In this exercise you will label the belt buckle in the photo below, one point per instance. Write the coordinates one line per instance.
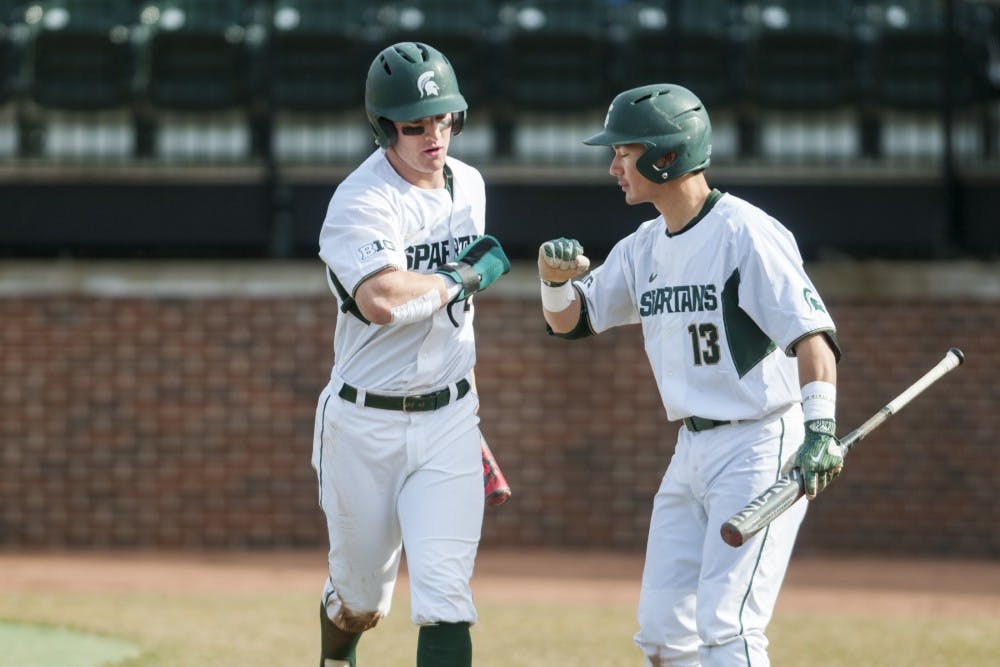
(425, 402)
(419, 402)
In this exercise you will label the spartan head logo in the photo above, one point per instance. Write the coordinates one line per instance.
(427, 85)
(810, 298)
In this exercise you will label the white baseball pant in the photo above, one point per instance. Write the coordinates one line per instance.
(703, 602)
(391, 480)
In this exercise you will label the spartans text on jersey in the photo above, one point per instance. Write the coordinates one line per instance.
(433, 255)
(678, 299)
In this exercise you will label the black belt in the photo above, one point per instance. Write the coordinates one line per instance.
(413, 403)
(695, 424)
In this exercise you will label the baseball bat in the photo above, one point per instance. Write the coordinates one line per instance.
(781, 495)
(495, 485)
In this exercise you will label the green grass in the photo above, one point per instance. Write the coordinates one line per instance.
(880, 641)
(31, 645)
(276, 630)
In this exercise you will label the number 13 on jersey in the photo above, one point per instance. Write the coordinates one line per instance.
(705, 343)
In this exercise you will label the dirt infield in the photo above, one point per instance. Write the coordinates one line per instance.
(871, 585)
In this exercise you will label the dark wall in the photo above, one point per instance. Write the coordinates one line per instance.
(880, 219)
(121, 220)
(883, 220)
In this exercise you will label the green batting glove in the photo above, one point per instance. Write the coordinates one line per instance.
(477, 267)
(560, 260)
(820, 458)
(562, 249)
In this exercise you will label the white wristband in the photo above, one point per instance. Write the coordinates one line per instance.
(819, 400)
(557, 299)
(416, 309)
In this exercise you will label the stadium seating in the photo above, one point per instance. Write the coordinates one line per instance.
(74, 76)
(11, 50)
(319, 55)
(694, 44)
(640, 33)
(319, 52)
(909, 59)
(202, 80)
(554, 56)
(800, 54)
(11, 15)
(199, 54)
(912, 73)
(799, 98)
(82, 54)
(866, 75)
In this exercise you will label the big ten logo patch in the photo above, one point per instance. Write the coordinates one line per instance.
(369, 249)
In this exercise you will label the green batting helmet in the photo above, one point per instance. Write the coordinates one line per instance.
(407, 81)
(665, 118)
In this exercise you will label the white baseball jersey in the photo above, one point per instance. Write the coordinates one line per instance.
(375, 220)
(721, 303)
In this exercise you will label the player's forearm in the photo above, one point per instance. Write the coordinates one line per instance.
(404, 297)
(385, 294)
(563, 321)
(816, 360)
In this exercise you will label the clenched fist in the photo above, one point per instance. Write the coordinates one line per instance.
(561, 259)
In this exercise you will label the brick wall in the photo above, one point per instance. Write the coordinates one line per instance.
(154, 411)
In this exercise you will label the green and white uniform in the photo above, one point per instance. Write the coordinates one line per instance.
(722, 304)
(394, 478)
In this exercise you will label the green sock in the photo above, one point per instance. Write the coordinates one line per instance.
(444, 645)
(336, 644)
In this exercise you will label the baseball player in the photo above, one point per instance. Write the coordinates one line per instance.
(742, 350)
(397, 443)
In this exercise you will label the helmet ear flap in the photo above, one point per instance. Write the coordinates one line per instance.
(457, 122)
(386, 133)
(646, 164)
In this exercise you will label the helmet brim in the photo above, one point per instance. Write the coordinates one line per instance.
(607, 138)
(424, 108)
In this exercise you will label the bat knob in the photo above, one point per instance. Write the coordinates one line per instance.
(959, 354)
(731, 535)
(498, 497)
